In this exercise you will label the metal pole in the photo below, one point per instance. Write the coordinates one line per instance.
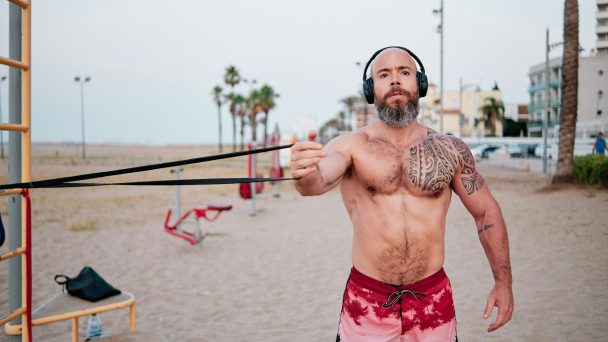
(441, 69)
(546, 107)
(177, 209)
(460, 115)
(14, 163)
(252, 212)
(82, 115)
(2, 79)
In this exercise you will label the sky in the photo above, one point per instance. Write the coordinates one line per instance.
(154, 63)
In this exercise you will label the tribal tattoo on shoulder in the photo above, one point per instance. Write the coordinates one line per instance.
(435, 161)
(470, 178)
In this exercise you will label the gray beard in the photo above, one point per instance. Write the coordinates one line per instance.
(397, 116)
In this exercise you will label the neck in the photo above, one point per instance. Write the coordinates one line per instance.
(401, 135)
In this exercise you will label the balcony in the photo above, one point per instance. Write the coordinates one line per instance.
(532, 107)
(539, 124)
(535, 87)
(601, 43)
(556, 104)
(555, 84)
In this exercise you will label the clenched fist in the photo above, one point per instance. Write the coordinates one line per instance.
(305, 155)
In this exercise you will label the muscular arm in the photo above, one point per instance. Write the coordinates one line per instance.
(476, 197)
(327, 172)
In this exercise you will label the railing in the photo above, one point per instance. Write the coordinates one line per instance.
(24, 251)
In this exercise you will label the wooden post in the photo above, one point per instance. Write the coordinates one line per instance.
(132, 317)
(75, 329)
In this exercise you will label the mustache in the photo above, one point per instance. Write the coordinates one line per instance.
(397, 90)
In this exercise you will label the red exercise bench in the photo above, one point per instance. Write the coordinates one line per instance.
(210, 213)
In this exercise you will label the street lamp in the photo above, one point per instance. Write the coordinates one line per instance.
(82, 81)
(460, 89)
(2, 79)
(440, 30)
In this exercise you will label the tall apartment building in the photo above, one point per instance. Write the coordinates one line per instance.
(592, 113)
(601, 27)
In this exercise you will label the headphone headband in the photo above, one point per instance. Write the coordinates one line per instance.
(389, 47)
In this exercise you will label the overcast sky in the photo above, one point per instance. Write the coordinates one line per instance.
(154, 63)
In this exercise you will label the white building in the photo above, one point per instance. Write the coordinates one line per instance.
(601, 27)
(592, 113)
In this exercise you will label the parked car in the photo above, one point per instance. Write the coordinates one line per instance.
(538, 152)
(505, 151)
(489, 150)
(483, 150)
(477, 150)
(514, 150)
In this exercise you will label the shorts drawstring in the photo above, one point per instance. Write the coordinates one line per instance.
(394, 297)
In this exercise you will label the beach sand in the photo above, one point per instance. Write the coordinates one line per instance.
(280, 276)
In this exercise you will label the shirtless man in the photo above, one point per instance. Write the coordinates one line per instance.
(396, 177)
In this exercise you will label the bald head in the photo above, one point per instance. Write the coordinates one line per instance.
(392, 57)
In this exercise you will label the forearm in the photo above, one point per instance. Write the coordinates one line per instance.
(493, 237)
(311, 184)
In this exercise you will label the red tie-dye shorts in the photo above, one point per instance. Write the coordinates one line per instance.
(375, 311)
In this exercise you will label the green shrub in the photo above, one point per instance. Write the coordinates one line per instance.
(591, 169)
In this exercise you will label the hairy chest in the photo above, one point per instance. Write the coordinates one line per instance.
(426, 168)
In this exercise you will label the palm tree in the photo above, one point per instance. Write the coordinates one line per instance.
(341, 117)
(217, 97)
(363, 103)
(492, 111)
(350, 102)
(267, 96)
(254, 107)
(329, 130)
(232, 78)
(567, 125)
(239, 105)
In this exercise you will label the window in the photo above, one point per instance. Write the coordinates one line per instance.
(600, 72)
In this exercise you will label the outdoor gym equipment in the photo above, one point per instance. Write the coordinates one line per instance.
(196, 235)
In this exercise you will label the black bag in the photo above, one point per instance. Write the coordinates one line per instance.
(87, 285)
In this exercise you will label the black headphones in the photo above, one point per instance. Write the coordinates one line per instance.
(368, 83)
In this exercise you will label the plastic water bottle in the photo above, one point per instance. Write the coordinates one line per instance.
(93, 327)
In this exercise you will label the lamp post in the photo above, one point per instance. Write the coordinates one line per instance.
(440, 30)
(82, 81)
(2, 79)
(460, 89)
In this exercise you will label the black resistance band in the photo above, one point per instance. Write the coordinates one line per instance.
(67, 182)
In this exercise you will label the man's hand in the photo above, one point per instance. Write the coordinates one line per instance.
(305, 155)
(501, 296)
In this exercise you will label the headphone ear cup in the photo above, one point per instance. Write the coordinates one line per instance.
(423, 84)
(368, 90)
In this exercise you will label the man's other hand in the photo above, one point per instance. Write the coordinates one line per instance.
(501, 296)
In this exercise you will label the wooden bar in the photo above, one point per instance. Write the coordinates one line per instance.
(21, 3)
(12, 192)
(69, 315)
(13, 63)
(13, 127)
(12, 316)
(14, 253)
(75, 329)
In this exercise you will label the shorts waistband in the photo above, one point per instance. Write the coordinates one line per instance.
(377, 285)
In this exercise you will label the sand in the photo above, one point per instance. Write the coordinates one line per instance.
(279, 276)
